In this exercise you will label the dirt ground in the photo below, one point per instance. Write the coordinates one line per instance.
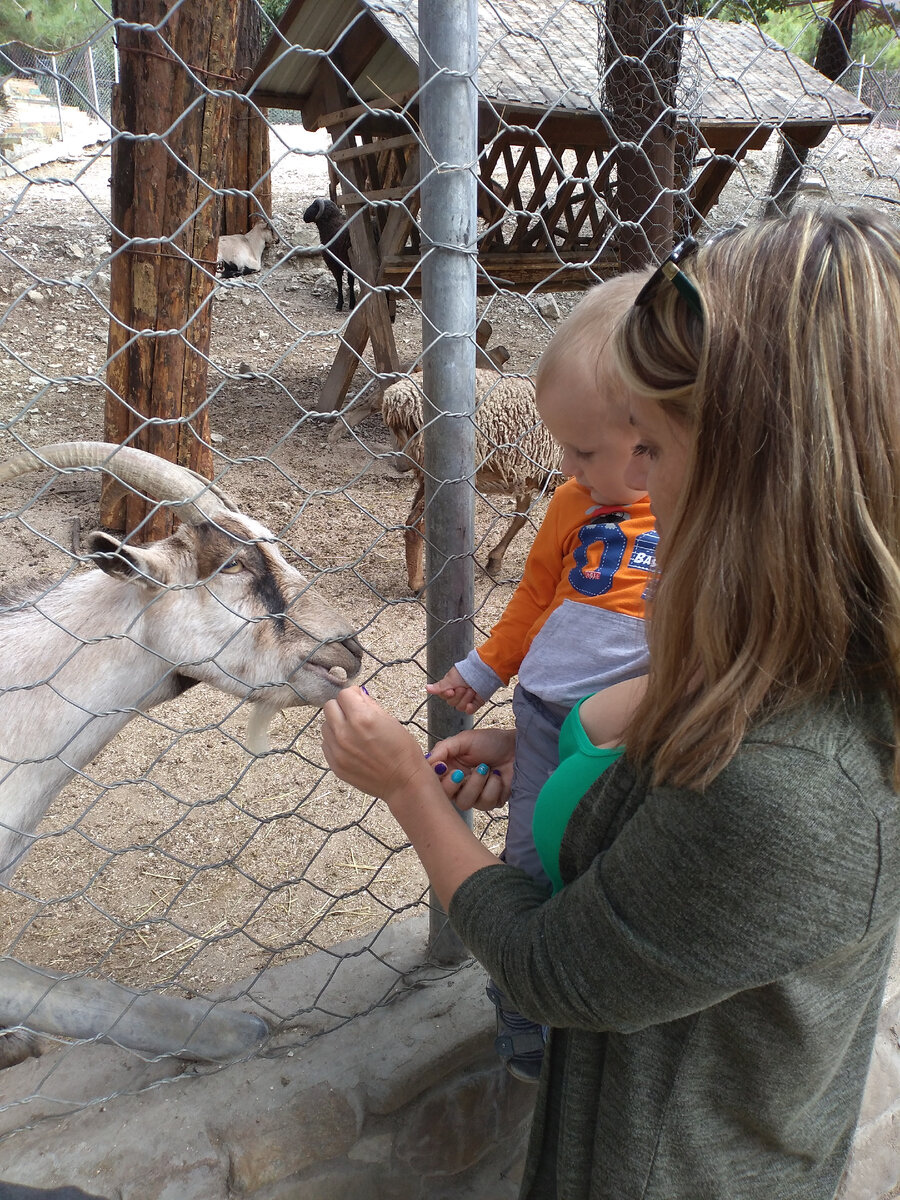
(178, 857)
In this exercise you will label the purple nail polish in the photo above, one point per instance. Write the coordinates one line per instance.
(428, 754)
(440, 768)
(497, 773)
(364, 689)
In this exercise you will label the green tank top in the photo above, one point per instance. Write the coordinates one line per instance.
(581, 763)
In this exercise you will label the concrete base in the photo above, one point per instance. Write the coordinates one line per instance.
(404, 1102)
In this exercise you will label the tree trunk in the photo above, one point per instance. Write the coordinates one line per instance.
(165, 217)
(833, 57)
(248, 134)
(642, 48)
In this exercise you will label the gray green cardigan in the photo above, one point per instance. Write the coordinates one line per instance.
(712, 971)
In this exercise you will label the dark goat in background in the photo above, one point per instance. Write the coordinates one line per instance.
(335, 238)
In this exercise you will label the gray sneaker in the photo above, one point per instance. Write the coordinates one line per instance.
(519, 1042)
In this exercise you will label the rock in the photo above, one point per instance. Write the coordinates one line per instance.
(548, 308)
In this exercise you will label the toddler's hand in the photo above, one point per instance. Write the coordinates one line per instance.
(457, 693)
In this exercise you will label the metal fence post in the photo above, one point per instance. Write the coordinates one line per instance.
(58, 94)
(92, 80)
(449, 122)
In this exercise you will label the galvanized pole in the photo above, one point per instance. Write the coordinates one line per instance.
(92, 79)
(58, 94)
(448, 114)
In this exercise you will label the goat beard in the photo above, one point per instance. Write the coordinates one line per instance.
(262, 714)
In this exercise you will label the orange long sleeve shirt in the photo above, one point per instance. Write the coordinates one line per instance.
(575, 623)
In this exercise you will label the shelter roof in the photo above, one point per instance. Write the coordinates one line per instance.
(532, 56)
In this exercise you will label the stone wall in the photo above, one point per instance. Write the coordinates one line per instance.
(405, 1102)
(30, 130)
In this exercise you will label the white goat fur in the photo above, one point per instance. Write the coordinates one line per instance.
(514, 453)
(82, 660)
(240, 253)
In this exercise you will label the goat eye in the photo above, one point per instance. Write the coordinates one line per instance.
(231, 567)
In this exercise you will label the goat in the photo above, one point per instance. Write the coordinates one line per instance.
(514, 452)
(215, 602)
(335, 238)
(241, 253)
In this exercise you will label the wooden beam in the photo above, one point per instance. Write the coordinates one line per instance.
(372, 316)
(384, 107)
(357, 46)
(378, 147)
(355, 199)
(563, 272)
(268, 99)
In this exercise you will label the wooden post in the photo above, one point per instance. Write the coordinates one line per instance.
(165, 217)
(643, 54)
(371, 318)
(832, 59)
(248, 134)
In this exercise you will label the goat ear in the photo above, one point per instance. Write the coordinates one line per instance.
(135, 564)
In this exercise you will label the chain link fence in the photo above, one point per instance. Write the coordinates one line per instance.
(172, 860)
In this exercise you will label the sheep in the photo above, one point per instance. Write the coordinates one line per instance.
(335, 238)
(215, 602)
(364, 406)
(241, 253)
(514, 452)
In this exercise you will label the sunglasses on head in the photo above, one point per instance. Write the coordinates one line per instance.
(670, 269)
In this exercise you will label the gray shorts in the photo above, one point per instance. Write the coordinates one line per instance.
(537, 757)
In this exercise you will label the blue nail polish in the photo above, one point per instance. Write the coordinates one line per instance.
(364, 689)
(428, 754)
(483, 769)
(440, 768)
(457, 776)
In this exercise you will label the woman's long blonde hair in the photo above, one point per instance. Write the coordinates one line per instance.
(780, 579)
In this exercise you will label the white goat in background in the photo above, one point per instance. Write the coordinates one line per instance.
(216, 602)
(241, 253)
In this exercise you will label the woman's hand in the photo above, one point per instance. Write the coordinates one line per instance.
(479, 767)
(371, 750)
(368, 748)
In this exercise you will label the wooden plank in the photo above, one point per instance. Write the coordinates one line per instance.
(264, 98)
(355, 199)
(371, 319)
(567, 271)
(344, 116)
(357, 46)
(368, 148)
(315, 102)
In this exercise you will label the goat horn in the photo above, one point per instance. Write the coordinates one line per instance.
(197, 499)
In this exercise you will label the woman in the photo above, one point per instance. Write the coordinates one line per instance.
(712, 969)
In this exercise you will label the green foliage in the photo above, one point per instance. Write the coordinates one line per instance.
(275, 8)
(757, 11)
(798, 29)
(51, 24)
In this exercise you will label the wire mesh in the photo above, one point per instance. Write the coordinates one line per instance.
(173, 860)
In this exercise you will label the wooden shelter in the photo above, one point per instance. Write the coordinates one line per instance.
(546, 159)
